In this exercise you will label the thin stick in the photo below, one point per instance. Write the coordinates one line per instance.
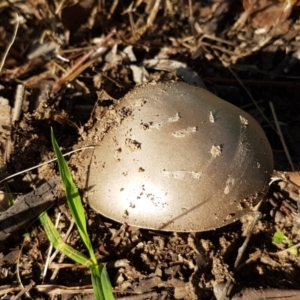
(79, 62)
(11, 43)
(62, 256)
(44, 163)
(19, 98)
(286, 250)
(229, 284)
(46, 267)
(192, 21)
(250, 96)
(25, 290)
(18, 272)
(279, 132)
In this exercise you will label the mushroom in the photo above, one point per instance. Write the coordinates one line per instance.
(179, 159)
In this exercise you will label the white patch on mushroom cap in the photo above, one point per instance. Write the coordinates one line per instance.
(244, 121)
(196, 175)
(211, 117)
(133, 144)
(185, 132)
(215, 150)
(140, 102)
(181, 174)
(176, 118)
(229, 184)
(151, 125)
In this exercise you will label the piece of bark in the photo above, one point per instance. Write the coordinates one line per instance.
(27, 207)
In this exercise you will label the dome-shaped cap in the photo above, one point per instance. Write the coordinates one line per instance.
(181, 159)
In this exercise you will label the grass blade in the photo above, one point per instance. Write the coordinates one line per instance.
(73, 198)
(101, 283)
(60, 245)
(100, 280)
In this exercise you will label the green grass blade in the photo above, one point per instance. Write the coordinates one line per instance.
(101, 283)
(100, 279)
(10, 198)
(60, 245)
(73, 198)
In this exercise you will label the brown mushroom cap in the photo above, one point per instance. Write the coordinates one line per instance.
(181, 159)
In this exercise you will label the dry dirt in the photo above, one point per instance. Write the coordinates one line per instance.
(138, 41)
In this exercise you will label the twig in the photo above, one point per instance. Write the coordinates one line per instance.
(24, 291)
(192, 21)
(112, 9)
(150, 20)
(18, 272)
(11, 43)
(229, 284)
(256, 83)
(279, 132)
(44, 163)
(62, 256)
(79, 62)
(285, 250)
(46, 266)
(114, 264)
(250, 96)
(267, 293)
(19, 98)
